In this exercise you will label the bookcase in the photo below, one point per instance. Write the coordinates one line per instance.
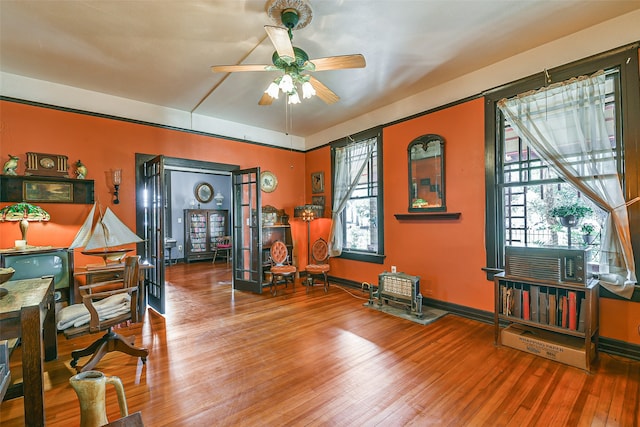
(202, 227)
(557, 314)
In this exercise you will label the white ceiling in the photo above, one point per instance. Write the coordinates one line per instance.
(160, 52)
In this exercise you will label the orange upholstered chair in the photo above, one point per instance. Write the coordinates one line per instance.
(281, 268)
(320, 266)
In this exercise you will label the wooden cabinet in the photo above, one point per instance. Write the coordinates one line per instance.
(555, 312)
(275, 226)
(202, 227)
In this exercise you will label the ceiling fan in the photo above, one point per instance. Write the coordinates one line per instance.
(293, 62)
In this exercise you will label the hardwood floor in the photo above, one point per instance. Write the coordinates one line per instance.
(223, 358)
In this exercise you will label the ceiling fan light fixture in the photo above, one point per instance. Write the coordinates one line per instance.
(307, 90)
(273, 90)
(286, 84)
(294, 98)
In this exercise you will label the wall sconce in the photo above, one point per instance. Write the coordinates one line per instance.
(219, 198)
(116, 177)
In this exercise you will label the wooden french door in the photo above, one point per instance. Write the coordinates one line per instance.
(154, 202)
(247, 233)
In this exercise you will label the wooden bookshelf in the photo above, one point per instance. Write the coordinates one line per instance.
(549, 309)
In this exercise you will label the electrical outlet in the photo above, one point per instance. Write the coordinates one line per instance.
(179, 220)
(179, 248)
(394, 269)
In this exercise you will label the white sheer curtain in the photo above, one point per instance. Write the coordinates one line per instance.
(350, 161)
(565, 124)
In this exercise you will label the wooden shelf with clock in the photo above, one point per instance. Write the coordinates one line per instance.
(46, 180)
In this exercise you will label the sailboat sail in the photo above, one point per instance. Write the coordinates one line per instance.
(84, 233)
(108, 232)
(111, 232)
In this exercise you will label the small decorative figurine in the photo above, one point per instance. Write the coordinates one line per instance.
(81, 170)
(11, 165)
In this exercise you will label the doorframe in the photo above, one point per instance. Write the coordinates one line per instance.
(170, 163)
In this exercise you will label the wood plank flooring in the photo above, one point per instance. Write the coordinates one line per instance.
(225, 358)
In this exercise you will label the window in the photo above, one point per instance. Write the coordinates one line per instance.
(357, 187)
(521, 189)
(529, 189)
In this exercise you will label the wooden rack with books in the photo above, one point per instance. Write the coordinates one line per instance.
(549, 309)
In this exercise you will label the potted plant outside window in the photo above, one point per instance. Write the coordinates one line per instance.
(588, 233)
(570, 215)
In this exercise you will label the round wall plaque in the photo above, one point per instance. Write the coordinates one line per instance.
(268, 182)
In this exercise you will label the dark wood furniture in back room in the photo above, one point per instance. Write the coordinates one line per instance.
(202, 227)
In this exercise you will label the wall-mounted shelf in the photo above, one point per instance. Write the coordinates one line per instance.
(45, 189)
(431, 216)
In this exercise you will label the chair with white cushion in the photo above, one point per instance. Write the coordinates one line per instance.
(104, 305)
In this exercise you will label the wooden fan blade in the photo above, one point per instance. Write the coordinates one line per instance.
(280, 38)
(266, 99)
(323, 92)
(235, 68)
(339, 62)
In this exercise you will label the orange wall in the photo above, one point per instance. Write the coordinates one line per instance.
(317, 161)
(447, 254)
(103, 144)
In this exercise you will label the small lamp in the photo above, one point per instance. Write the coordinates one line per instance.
(219, 198)
(25, 213)
(116, 177)
(308, 213)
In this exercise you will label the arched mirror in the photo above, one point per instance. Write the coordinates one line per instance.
(426, 174)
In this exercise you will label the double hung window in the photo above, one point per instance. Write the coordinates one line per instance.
(357, 227)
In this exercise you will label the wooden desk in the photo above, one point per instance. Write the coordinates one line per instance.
(28, 312)
(103, 274)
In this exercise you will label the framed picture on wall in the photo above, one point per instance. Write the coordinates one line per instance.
(317, 200)
(317, 182)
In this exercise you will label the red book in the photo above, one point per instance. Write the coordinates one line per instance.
(526, 313)
(565, 311)
(573, 311)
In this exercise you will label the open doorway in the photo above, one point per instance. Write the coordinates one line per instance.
(165, 188)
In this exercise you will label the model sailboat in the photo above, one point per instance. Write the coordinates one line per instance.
(103, 235)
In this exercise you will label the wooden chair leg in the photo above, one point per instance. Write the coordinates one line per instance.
(108, 343)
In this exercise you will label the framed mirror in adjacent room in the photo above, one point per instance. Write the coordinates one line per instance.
(204, 192)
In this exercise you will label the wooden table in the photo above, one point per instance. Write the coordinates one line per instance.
(101, 274)
(28, 312)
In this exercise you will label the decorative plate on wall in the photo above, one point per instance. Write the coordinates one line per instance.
(268, 181)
